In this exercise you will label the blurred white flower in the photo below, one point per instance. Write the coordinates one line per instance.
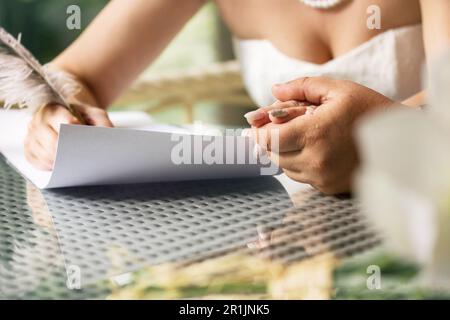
(404, 182)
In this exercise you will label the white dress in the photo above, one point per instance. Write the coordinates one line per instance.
(390, 63)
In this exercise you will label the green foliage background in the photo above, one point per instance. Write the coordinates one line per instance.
(43, 23)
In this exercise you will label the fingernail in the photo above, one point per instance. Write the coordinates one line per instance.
(254, 115)
(278, 113)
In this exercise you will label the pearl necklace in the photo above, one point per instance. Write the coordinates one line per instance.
(321, 4)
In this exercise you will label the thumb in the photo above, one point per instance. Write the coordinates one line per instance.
(311, 89)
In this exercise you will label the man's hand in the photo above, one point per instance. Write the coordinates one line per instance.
(316, 147)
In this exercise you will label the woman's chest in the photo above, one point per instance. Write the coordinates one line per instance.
(315, 35)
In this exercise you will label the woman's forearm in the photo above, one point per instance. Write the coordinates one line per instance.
(122, 40)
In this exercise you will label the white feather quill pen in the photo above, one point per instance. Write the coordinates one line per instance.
(26, 84)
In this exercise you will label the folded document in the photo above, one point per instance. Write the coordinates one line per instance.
(99, 156)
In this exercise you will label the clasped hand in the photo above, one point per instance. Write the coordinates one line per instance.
(315, 120)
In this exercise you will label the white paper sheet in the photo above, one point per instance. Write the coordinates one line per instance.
(99, 156)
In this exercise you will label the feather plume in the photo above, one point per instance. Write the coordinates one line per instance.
(26, 84)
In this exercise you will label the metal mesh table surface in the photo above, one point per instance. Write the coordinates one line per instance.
(45, 233)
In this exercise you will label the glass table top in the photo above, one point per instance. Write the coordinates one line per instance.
(134, 241)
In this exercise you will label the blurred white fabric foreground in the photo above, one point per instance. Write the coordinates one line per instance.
(404, 183)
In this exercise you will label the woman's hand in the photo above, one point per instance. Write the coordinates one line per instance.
(316, 147)
(40, 142)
